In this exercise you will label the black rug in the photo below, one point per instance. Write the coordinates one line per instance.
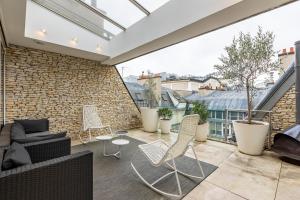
(115, 179)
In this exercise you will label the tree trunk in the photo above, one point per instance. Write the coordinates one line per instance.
(249, 102)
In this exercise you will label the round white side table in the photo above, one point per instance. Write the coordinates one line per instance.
(105, 139)
(119, 143)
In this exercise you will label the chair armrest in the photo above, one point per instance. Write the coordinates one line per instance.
(48, 149)
(68, 177)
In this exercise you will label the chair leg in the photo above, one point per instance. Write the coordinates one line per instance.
(198, 162)
(189, 175)
(151, 185)
(176, 175)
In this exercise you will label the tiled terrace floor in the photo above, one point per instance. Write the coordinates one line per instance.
(238, 176)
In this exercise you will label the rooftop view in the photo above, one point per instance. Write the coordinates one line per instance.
(140, 99)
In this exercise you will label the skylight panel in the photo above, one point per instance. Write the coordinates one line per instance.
(81, 15)
(121, 11)
(152, 5)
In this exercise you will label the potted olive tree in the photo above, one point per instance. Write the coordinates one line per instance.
(165, 115)
(202, 129)
(149, 114)
(248, 58)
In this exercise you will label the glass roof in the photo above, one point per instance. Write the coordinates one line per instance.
(105, 18)
(152, 5)
(121, 11)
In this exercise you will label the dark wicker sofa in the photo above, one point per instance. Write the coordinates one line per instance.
(53, 175)
(35, 130)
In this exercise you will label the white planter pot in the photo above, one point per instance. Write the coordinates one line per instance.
(251, 137)
(202, 132)
(165, 126)
(149, 119)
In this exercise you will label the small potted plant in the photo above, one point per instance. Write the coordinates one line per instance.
(202, 129)
(165, 115)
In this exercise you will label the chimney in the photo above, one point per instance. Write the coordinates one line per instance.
(156, 79)
(283, 51)
(297, 71)
(286, 58)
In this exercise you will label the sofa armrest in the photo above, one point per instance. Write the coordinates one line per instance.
(68, 177)
(48, 149)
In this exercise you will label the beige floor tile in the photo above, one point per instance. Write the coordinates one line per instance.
(221, 144)
(289, 183)
(210, 154)
(243, 182)
(208, 191)
(264, 165)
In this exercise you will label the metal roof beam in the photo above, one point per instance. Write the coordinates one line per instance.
(96, 11)
(139, 6)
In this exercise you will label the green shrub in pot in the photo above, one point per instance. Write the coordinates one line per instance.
(203, 128)
(165, 115)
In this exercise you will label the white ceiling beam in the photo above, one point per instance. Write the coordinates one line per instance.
(178, 21)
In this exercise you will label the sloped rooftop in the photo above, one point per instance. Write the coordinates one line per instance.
(221, 100)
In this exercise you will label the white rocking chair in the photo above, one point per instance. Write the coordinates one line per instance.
(160, 153)
(91, 120)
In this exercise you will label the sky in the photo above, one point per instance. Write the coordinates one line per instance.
(197, 56)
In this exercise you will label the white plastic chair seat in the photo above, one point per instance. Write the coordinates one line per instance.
(154, 151)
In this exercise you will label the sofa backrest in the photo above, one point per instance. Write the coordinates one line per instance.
(34, 125)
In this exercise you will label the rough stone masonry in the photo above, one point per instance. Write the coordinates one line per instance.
(41, 84)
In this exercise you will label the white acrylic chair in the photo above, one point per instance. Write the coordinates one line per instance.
(160, 153)
(91, 120)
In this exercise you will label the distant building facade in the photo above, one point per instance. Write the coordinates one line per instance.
(286, 57)
(192, 84)
(224, 107)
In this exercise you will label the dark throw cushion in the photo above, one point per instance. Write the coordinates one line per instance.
(15, 156)
(34, 125)
(17, 132)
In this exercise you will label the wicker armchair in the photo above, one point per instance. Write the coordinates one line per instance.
(54, 174)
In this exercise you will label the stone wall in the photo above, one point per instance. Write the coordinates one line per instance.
(42, 84)
(284, 112)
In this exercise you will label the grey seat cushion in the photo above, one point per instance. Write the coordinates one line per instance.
(17, 132)
(44, 133)
(15, 156)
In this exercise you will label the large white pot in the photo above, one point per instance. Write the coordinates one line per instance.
(165, 125)
(251, 137)
(202, 132)
(149, 119)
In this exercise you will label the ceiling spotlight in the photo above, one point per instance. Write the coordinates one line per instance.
(74, 41)
(98, 49)
(42, 32)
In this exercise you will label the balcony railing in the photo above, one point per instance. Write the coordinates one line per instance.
(221, 127)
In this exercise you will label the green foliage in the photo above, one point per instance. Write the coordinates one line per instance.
(201, 110)
(165, 113)
(247, 59)
(150, 94)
